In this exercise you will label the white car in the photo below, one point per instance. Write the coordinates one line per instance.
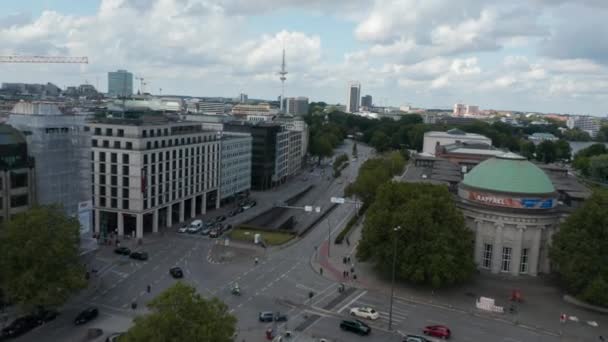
(183, 229)
(368, 313)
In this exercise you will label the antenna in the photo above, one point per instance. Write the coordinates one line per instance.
(283, 72)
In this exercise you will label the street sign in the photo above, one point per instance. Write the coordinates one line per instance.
(308, 208)
(338, 200)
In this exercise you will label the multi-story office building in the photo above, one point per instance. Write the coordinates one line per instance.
(235, 176)
(61, 146)
(17, 191)
(586, 123)
(120, 83)
(353, 97)
(301, 128)
(211, 107)
(296, 105)
(152, 172)
(366, 101)
(295, 157)
(270, 142)
(243, 98)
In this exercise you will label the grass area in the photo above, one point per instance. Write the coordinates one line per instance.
(271, 238)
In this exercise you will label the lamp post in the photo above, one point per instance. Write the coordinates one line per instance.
(390, 312)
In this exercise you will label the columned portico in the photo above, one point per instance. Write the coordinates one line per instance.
(517, 246)
(139, 226)
(120, 224)
(478, 241)
(497, 249)
(155, 221)
(534, 253)
(182, 207)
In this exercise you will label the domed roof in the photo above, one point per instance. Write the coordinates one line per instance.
(10, 136)
(510, 173)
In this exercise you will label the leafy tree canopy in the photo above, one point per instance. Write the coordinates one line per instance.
(580, 250)
(39, 258)
(373, 173)
(180, 314)
(434, 246)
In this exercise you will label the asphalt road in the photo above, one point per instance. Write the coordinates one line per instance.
(281, 282)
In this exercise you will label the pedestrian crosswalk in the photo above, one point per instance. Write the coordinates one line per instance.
(402, 310)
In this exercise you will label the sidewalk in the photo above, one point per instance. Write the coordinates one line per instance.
(540, 309)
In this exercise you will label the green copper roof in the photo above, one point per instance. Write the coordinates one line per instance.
(509, 173)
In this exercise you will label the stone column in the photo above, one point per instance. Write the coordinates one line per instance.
(193, 207)
(204, 203)
(478, 243)
(217, 200)
(516, 255)
(97, 224)
(155, 221)
(139, 226)
(182, 206)
(121, 224)
(534, 251)
(497, 248)
(169, 215)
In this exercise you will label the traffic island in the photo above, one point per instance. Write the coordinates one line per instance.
(266, 237)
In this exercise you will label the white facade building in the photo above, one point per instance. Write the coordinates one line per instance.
(353, 97)
(585, 123)
(434, 138)
(152, 172)
(459, 109)
(236, 164)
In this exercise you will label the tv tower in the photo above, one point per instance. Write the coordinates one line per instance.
(283, 72)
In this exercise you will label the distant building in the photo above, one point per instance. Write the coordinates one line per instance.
(243, 98)
(296, 105)
(152, 172)
(33, 89)
(250, 112)
(211, 107)
(235, 176)
(472, 110)
(433, 139)
(366, 101)
(353, 97)
(17, 184)
(459, 109)
(537, 138)
(120, 83)
(586, 123)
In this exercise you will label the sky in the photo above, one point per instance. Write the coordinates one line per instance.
(530, 55)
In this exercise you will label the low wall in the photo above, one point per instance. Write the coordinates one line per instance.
(318, 219)
(580, 303)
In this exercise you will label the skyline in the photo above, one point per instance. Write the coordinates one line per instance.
(524, 55)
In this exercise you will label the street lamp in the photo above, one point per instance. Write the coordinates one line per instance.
(390, 313)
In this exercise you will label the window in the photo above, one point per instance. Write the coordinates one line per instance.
(102, 190)
(113, 158)
(109, 132)
(125, 170)
(125, 204)
(94, 142)
(153, 158)
(125, 193)
(129, 145)
(102, 201)
(145, 159)
(523, 266)
(97, 131)
(125, 158)
(125, 181)
(114, 192)
(102, 180)
(148, 145)
(117, 144)
(19, 201)
(113, 169)
(120, 133)
(506, 259)
(114, 181)
(106, 143)
(487, 256)
(114, 203)
(102, 156)
(18, 180)
(144, 133)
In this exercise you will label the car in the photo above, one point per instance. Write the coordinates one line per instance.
(279, 317)
(46, 315)
(197, 224)
(183, 229)
(86, 316)
(220, 218)
(355, 326)
(114, 337)
(235, 211)
(266, 316)
(414, 338)
(205, 231)
(194, 229)
(176, 272)
(365, 312)
(139, 256)
(20, 326)
(214, 233)
(440, 331)
(122, 251)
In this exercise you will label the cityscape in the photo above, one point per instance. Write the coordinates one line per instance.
(263, 191)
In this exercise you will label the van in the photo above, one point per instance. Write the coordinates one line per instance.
(197, 224)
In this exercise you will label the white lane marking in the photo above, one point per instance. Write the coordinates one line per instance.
(304, 287)
(352, 301)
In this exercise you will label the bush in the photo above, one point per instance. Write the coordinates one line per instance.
(349, 226)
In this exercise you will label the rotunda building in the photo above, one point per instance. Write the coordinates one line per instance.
(512, 207)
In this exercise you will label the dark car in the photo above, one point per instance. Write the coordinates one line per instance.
(266, 316)
(139, 256)
(176, 272)
(279, 317)
(46, 315)
(414, 338)
(114, 337)
(122, 250)
(20, 326)
(235, 211)
(214, 233)
(220, 218)
(86, 316)
(355, 326)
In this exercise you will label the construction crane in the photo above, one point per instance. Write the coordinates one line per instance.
(43, 59)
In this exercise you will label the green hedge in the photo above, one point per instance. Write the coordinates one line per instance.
(349, 226)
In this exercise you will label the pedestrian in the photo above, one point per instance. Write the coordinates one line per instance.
(321, 270)
(354, 277)
(348, 259)
(347, 242)
(344, 260)
(352, 270)
(149, 288)
(346, 274)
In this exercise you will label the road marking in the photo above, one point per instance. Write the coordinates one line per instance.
(352, 301)
(304, 287)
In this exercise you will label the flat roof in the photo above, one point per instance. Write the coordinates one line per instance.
(438, 134)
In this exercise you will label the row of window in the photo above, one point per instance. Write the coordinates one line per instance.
(128, 145)
(16, 201)
(18, 180)
(505, 264)
(181, 153)
(107, 202)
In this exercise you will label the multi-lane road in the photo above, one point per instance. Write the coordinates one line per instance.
(281, 281)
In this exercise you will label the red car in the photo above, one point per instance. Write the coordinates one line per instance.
(440, 331)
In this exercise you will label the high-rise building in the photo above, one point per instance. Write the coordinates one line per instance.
(585, 123)
(235, 176)
(120, 83)
(296, 105)
(152, 171)
(366, 101)
(353, 97)
(459, 109)
(243, 98)
(472, 110)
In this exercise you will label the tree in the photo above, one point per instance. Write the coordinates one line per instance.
(546, 152)
(598, 167)
(580, 250)
(181, 314)
(527, 149)
(379, 141)
(434, 247)
(563, 149)
(321, 147)
(576, 134)
(355, 149)
(581, 160)
(373, 173)
(39, 258)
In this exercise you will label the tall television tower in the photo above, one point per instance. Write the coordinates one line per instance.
(283, 72)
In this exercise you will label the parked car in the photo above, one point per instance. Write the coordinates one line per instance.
(235, 211)
(114, 337)
(183, 229)
(440, 331)
(266, 316)
(139, 256)
(176, 272)
(46, 315)
(214, 233)
(365, 312)
(20, 326)
(122, 251)
(86, 316)
(194, 229)
(205, 231)
(220, 218)
(197, 224)
(279, 317)
(414, 338)
(355, 326)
